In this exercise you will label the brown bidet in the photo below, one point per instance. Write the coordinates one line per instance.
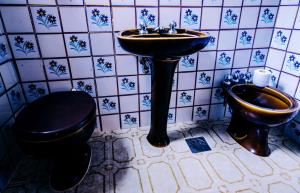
(254, 111)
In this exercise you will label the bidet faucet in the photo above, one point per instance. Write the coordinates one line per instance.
(143, 28)
(172, 26)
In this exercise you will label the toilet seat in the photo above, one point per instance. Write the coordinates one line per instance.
(55, 116)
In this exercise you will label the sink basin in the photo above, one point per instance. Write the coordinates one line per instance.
(154, 44)
(165, 50)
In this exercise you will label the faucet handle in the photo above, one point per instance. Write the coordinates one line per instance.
(143, 28)
(172, 26)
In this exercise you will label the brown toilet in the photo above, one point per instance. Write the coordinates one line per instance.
(254, 111)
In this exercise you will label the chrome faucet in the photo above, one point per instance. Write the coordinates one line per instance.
(143, 28)
(172, 29)
(159, 29)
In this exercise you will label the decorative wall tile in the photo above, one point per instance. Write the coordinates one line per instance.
(104, 66)
(188, 63)
(57, 69)
(130, 120)
(24, 46)
(213, 42)
(149, 16)
(46, 19)
(292, 64)
(185, 98)
(258, 57)
(262, 38)
(35, 90)
(127, 85)
(241, 58)
(109, 122)
(109, 105)
(275, 59)
(202, 97)
(201, 112)
(4, 49)
(206, 60)
(224, 59)
(129, 103)
(184, 114)
(230, 18)
(86, 85)
(190, 18)
(245, 39)
(77, 44)
(280, 38)
(267, 17)
(204, 79)
(16, 98)
(99, 18)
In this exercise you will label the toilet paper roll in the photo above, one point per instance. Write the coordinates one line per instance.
(261, 77)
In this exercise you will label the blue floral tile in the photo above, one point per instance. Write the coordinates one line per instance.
(130, 120)
(188, 63)
(280, 38)
(145, 65)
(185, 98)
(267, 17)
(258, 57)
(204, 79)
(230, 18)
(200, 113)
(24, 46)
(46, 19)
(292, 64)
(213, 42)
(35, 90)
(190, 18)
(104, 66)
(77, 44)
(224, 59)
(274, 77)
(86, 85)
(57, 69)
(4, 49)
(147, 16)
(171, 116)
(245, 39)
(145, 101)
(127, 85)
(218, 95)
(16, 98)
(108, 105)
(99, 18)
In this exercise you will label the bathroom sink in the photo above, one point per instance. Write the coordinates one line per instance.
(165, 46)
(155, 44)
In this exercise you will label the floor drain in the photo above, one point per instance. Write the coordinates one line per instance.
(197, 144)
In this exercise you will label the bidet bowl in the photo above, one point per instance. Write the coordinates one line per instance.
(254, 111)
(265, 106)
(163, 45)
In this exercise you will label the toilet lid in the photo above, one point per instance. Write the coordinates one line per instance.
(55, 114)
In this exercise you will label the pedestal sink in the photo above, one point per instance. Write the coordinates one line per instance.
(165, 49)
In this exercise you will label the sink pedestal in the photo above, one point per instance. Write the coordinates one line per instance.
(162, 80)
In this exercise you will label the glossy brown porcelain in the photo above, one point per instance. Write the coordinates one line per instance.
(162, 45)
(165, 50)
(254, 111)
